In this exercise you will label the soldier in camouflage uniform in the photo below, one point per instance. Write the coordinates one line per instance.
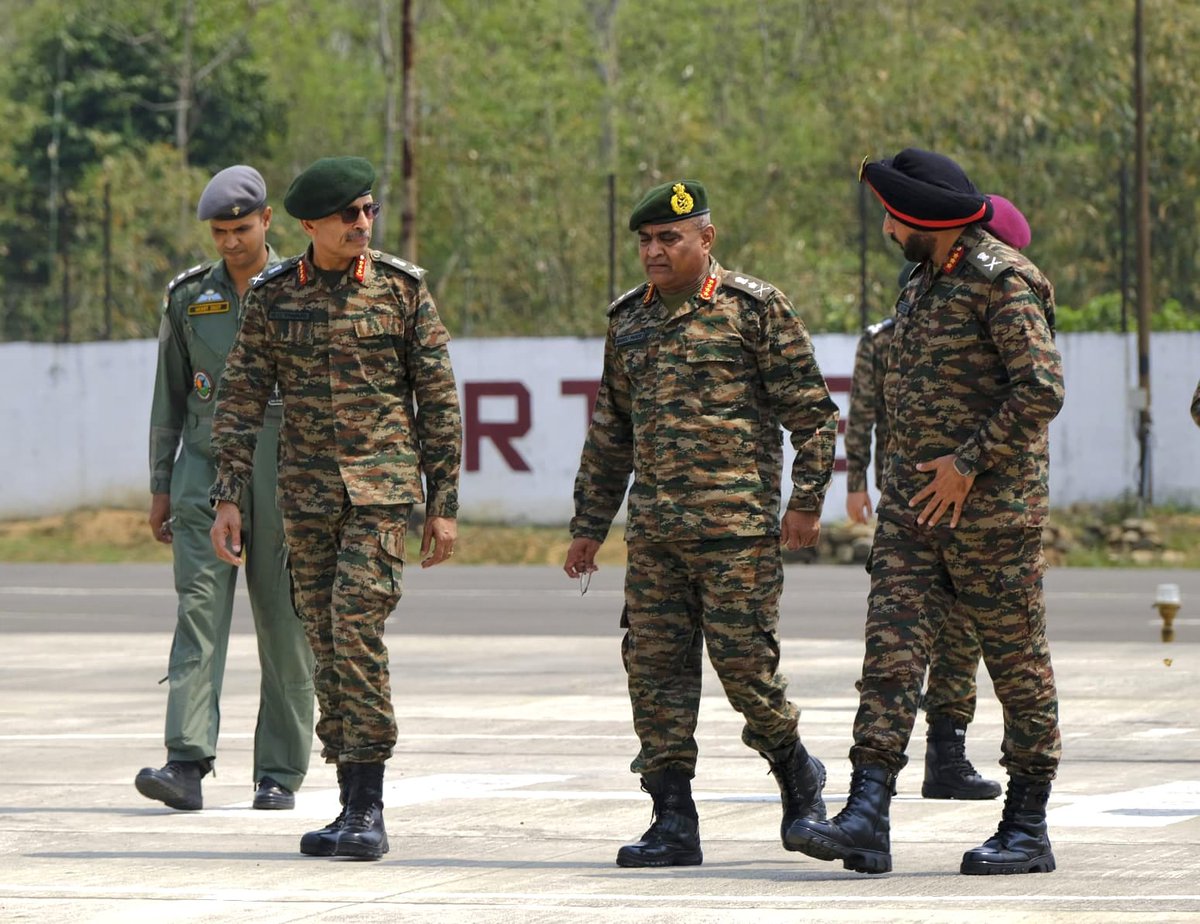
(950, 694)
(973, 380)
(354, 339)
(200, 319)
(701, 366)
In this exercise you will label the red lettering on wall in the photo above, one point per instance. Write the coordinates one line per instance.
(589, 388)
(501, 433)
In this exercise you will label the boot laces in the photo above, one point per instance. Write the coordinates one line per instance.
(358, 818)
(958, 758)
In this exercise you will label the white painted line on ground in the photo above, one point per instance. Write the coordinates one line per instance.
(565, 899)
(1162, 732)
(1150, 807)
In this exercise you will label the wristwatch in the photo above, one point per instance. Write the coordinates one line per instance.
(964, 468)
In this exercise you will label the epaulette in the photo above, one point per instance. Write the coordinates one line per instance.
(190, 273)
(989, 259)
(627, 297)
(748, 284)
(403, 265)
(272, 271)
(879, 328)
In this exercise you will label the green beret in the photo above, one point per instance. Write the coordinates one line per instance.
(327, 186)
(669, 202)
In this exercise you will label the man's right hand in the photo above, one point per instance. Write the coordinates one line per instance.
(226, 533)
(581, 557)
(858, 506)
(160, 518)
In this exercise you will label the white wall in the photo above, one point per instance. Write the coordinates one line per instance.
(74, 420)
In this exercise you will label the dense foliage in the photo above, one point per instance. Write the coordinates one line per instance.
(114, 114)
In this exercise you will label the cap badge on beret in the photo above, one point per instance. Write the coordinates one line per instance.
(681, 201)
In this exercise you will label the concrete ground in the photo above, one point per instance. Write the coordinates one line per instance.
(510, 791)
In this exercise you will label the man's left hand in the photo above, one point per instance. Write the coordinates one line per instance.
(801, 529)
(437, 542)
(948, 489)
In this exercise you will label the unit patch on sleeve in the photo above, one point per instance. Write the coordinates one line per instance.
(203, 384)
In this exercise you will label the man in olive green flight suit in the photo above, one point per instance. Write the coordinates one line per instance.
(201, 312)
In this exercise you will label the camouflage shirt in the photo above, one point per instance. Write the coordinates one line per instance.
(200, 315)
(866, 407)
(369, 398)
(1196, 405)
(973, 370)
(691, 403)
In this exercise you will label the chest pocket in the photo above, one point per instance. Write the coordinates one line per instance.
(953, 325)
(290, 326)
(712, 350)
(379, 339)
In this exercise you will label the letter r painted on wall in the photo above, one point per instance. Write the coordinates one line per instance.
(501, 433)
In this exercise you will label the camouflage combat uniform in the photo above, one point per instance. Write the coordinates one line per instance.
(1196, 405)
(199, 324)
(974, 371)
(351, 361)
(954, 661)
(691, 403)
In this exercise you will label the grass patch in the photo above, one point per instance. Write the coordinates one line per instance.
(113, 535)
(118, 535)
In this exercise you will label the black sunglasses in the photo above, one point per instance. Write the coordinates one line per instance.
(349, 215)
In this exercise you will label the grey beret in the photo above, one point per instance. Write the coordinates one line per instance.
(232, 193)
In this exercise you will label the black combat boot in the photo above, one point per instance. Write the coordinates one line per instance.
(1020, 844)
(674, 837)
(860, 834)
(948, 773)
(362, 834)
(177, 784)
(323, 841)
(800, 777)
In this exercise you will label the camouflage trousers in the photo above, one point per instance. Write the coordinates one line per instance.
(992, 579)
(950, 689)
(347, 571)
(724, 593)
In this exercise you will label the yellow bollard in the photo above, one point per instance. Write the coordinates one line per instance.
(1167, 601)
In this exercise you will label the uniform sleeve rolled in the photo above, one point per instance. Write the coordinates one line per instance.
(1016, 321)
(242, 397)
(172, 382)
(607, 458)
(800, 399)
(861, 422)
(438, 417)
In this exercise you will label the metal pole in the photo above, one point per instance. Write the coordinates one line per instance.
(408, 157)
(1123, 226)
(863, 307)
(612, 237)
(1145, 486)
(107, 335)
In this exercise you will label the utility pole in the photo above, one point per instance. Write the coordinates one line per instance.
(1142, 194)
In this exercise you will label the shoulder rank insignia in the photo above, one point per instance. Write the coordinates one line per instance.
(187, 274)
(989, 260)
(955, 258)
(748, 284)
(876, 329)
(645, 289)
(403, 265)
(708, 287)
(272, 271)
